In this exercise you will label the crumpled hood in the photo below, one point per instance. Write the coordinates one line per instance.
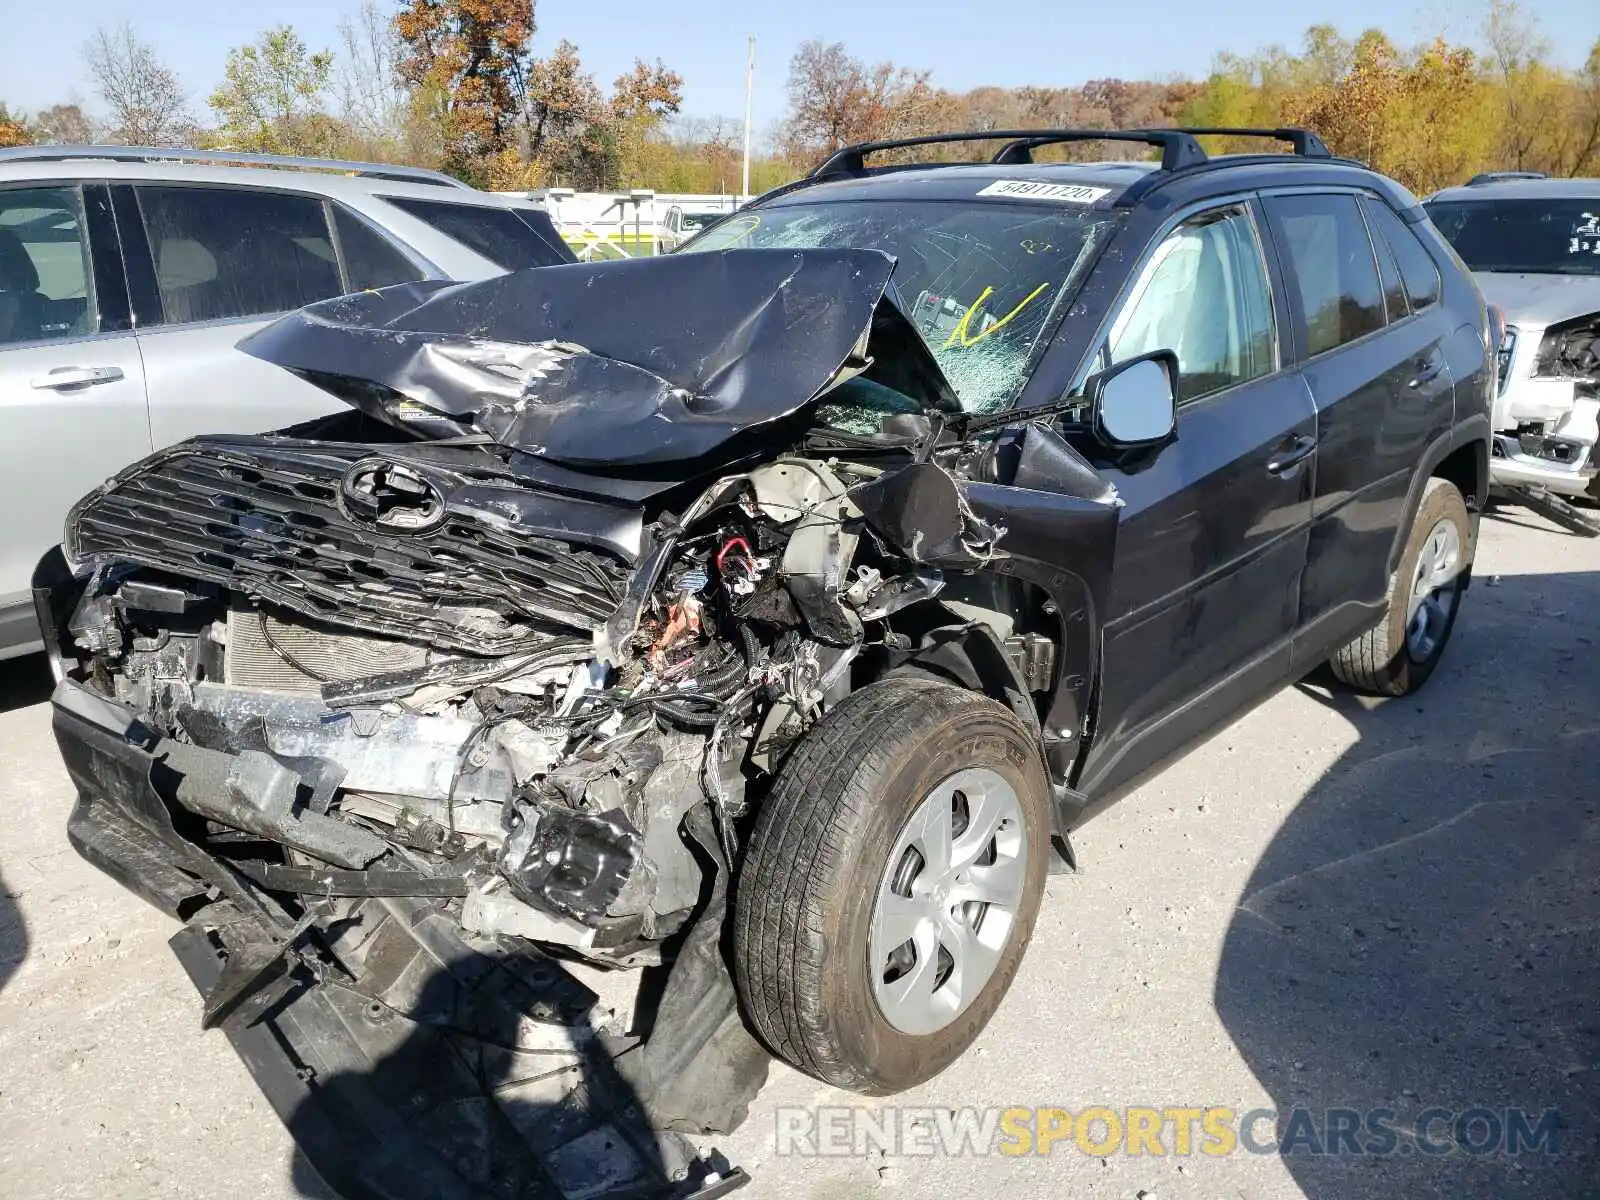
(620, 363)
(1538, 301)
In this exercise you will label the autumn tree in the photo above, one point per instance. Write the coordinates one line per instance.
(706, 156)
(148, 106)
(273, 97)
(473, 57)
(1515, 51)
(641, 102)
(1354, 113)
(572, 134)
(836, 99)
(561, 106)
(13, 129)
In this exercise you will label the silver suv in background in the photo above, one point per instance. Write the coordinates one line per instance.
(128, 276)
(1533, 244)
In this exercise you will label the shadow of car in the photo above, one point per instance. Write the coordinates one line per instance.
(1422, 936)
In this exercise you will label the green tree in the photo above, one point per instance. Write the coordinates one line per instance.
(273, 97)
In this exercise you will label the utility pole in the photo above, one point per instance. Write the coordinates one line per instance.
(749, 89)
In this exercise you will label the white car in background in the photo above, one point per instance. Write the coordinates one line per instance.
(128, 276)
(1533, 245)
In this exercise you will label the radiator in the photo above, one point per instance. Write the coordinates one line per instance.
(252, 662)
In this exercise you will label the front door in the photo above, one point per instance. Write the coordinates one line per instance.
(1213, 536)
(72, 395)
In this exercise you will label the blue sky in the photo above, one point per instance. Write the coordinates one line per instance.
(1004, 42)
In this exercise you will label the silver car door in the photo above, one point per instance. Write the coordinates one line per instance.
(72, 388)
(215, 264)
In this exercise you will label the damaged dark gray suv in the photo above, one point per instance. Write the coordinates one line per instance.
(763, 617)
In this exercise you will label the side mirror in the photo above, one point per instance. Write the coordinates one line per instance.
(1134, 404)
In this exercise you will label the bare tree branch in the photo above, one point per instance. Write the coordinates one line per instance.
(147, 103)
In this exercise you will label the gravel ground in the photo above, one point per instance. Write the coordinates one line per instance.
(1331, 904)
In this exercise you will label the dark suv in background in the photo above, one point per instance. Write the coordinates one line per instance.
(772, 611)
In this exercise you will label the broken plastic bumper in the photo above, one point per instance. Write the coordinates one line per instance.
(426, 1065)
(1511, 466)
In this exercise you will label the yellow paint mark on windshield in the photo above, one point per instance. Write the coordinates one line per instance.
(959, 333)
(737, 229)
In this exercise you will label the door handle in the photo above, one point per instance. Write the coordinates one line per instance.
(71, 377)
(1428, 370)
(1297, 451)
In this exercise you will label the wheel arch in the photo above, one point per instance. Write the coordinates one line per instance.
(1461, 458)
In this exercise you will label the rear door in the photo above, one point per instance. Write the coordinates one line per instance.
(1376, 368)
(1212, 540)
(72, 395)
(211, 265)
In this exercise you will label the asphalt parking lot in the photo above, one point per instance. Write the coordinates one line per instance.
(1333, 904)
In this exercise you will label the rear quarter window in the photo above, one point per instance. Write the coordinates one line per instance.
(1417, 268)
(497, 234)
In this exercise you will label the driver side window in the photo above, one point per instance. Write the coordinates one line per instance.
(1204, 295)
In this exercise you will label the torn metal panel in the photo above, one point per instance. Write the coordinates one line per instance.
(923, 511)
(571, 862)
(620, 363)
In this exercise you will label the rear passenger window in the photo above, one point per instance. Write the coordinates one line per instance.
(1204, 296)
(230, 252)
(370, 259)
(1417, 268)
(1334, 270)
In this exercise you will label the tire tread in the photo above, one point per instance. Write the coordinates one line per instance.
(800, 837)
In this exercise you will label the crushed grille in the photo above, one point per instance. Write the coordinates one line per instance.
(267, 523)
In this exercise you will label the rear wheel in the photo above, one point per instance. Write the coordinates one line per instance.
(891, 884)
(1400, 653)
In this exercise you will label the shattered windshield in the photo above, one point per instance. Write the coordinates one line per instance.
(1536, 237)
(982, 282)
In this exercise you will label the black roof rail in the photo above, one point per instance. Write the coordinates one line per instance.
(1304, 143)
(1178, 148)
(1498, 176)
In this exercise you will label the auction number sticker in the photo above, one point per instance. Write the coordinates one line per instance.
(1064, 193)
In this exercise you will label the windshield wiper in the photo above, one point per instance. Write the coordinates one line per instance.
(967, 426)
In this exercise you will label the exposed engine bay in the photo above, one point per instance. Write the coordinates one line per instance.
(1570, 350)
(534, 743)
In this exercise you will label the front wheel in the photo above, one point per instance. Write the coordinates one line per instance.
(891, 884)
(1398, 655)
